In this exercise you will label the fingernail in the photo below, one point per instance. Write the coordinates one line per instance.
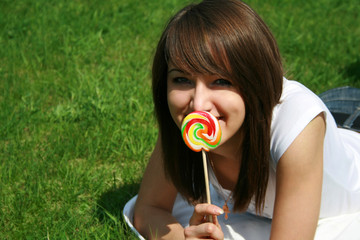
(219, 211)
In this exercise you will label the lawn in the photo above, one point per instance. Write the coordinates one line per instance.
(76, 121)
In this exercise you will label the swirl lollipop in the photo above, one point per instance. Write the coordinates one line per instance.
(201, 131)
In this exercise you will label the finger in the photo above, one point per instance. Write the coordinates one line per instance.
(215, 221)
(205, 230)
(202, 210)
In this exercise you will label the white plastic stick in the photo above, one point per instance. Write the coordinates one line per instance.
(207, 188)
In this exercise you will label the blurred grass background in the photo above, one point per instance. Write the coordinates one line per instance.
(76, 118)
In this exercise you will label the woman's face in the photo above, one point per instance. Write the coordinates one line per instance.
(188, 92)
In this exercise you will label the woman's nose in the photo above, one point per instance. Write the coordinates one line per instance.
(201, 99)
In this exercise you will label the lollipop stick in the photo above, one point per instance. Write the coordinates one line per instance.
(207, 189)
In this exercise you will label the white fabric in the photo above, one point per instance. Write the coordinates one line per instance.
(238, 226)
(248, 226)
(340, 206)
(341, 181)
(128, 214)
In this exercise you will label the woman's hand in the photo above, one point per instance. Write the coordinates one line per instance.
(200, 228)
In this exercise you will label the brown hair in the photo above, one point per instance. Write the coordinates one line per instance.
(224, 37)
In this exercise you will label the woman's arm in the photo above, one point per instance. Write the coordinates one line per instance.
(152, 215)
(299, 183)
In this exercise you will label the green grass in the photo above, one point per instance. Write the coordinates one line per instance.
(76, 119)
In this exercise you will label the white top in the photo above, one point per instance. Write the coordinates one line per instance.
(341, 180)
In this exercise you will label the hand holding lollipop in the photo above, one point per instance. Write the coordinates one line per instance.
(201, 132)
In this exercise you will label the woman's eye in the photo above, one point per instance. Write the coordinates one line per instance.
(223, 82)
(181, 80)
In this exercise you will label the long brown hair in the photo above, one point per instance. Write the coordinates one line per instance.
(224, 37)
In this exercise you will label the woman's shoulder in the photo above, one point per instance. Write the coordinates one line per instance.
(298, 106)
(295, 93)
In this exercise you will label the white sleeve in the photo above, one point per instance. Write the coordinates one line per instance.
(297, 107)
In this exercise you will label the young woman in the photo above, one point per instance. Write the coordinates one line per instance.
(283, 167)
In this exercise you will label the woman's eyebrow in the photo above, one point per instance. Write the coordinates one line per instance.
(175, 70)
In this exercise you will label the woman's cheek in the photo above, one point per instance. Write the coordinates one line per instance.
(178, 104)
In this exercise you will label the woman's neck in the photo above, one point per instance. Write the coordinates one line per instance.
(225, 169)
(232, 148)
(226, 160)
